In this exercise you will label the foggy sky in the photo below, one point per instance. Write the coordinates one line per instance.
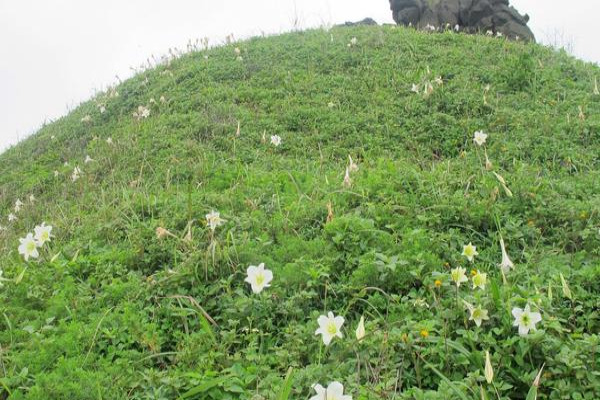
(57, 53)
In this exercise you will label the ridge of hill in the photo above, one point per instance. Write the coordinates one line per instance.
(365, 208)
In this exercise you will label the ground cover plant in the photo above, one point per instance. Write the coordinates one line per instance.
(365, 213)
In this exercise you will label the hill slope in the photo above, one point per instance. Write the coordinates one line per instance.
(135, 297)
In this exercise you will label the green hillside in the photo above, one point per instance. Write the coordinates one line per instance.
(136, 297)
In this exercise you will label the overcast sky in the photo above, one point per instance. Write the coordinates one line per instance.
(56, 53)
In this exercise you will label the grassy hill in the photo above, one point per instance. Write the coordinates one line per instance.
(136, 297)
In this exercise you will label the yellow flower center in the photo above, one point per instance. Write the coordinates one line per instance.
(424, 333)
(331, 328)
(30, 247)
(260, 278)
(525, 320)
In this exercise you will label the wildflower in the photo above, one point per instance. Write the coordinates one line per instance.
(479, 138)
(458, 276)
(499, 34)
(12, 217)
(237, 51)
(152, 101)
(457, 27)
(424, 333)
(360, 329)
(331, 104)
(88, 159)
(352, 167)
(479, 280)
(430, 27)
(438, 80)
(525, 319)
(438, 283)
(258, 277)
(489, 371)
(470, 251)
(141, 113)
(213, 219)
(330, 327)
(76, 174)
(478, 314)
(162, 99)
(18, 205)
(42, 233)
(109, 141)
(489, 33)
(506, 265)
(31, 198)
(28, 247)
(415, 88)
(276, 140)
(353, 42)
(347, 181)
(102, 108)
(86, 119)
(335, 391)
(56, 173)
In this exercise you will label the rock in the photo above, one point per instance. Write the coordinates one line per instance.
(473, 16)
(366, 21)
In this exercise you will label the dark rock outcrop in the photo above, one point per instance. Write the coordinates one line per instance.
(496, 16)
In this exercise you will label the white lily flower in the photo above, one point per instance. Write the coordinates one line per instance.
(259, 277)
(415, 88)
(276, 140)
(213, 219)
(28, 247)
(353, 41)
(479, 280)
(31, 198)
(86, 119)
(478, 314)
(506, 265)
(56, 174)
(525, 319)
(459, 276)
(12, 217)
(88, 159)
(335, 391)
(141, 113)
(470, 251)
(330, 327)
(109, 140)
(18, 205)
(42, 233)
(479, 138)
(360, 329)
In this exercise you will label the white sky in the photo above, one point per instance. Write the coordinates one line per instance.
(56, 53)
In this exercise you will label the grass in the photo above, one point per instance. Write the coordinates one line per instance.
(111, 311)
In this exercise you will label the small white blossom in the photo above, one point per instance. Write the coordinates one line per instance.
(42, 233)
(258, 277)
(141, 113)
(525, 319)
(459, 276)
(213, 219)
(12, 217)
(109, 140)
(506, 265)
(335, 391)
(86, 119)
(479, 280)
(330, 327)
(56, 173)
(276, 140)
(18, 205)
(415, 88)
(479, 138)
(76, 174)
(360, 329)
(31, 198)
(88, 159)
(470, 251)
(478, 314)
(28, 247)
